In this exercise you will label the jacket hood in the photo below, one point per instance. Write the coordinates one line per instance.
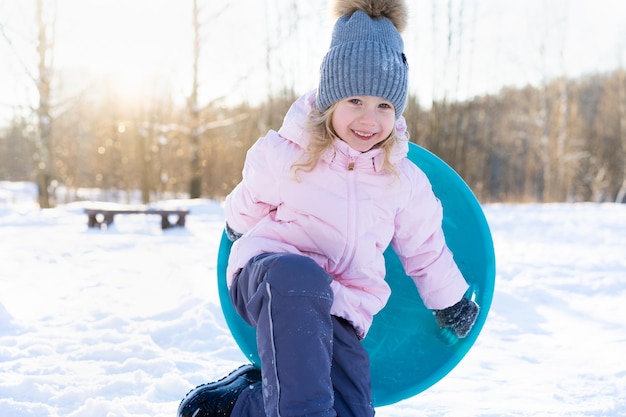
(294, 129)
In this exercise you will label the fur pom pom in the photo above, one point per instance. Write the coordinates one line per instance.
(394, 10)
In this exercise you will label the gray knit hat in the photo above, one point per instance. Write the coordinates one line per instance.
(366, 54)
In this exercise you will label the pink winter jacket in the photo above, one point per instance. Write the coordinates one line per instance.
(343, 214)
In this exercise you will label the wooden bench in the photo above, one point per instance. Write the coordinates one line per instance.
(99, 217)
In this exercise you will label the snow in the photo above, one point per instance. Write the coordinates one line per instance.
(124, 321)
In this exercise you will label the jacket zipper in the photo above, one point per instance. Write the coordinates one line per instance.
(352, 209)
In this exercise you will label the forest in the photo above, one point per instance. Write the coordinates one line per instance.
(561, 140)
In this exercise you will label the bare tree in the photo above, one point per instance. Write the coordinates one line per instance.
(621, 194)
(195, 184)
(46, 20)
(194, 108)
(42, 154)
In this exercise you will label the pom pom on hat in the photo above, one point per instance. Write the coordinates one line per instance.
(366, 54)
(394, 10)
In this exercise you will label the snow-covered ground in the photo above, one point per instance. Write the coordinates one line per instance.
(124, 321)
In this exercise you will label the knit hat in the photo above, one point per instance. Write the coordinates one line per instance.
(366, 54)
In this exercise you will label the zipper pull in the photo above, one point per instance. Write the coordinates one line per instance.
(351, 166)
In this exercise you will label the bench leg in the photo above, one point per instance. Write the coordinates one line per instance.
(108, 219)
(99, 220)
(167, 224)
(92, 221)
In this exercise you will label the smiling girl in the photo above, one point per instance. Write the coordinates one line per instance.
(319, 202)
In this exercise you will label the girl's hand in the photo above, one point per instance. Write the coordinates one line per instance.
(460, 318)
(232, 234)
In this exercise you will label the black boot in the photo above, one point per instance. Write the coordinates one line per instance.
(218, 398)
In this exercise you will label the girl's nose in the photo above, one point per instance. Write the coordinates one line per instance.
(368, 116)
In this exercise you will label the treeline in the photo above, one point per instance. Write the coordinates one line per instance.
(564, 141)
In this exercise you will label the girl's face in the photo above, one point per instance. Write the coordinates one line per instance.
(363, 121)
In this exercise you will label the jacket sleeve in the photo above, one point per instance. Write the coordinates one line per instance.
(420, 244)
(256, 195)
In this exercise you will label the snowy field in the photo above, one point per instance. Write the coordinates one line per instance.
(124, 321)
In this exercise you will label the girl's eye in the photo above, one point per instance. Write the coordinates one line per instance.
(355, 101)
(386, 106)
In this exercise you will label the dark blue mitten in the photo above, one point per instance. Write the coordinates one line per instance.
(460, 318)
(231, 234)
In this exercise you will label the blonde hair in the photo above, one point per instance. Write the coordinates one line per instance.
(319, 125)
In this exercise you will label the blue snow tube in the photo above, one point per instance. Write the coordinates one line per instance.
(408, 351)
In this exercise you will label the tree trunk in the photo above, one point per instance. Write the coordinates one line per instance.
(195, 184)
(621, 194)
(43, 157)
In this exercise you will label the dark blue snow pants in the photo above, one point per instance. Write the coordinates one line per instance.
(312, 363)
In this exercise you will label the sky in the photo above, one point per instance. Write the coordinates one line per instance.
(142, 46)
(123, 322)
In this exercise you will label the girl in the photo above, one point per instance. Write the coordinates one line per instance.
(320, 201)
